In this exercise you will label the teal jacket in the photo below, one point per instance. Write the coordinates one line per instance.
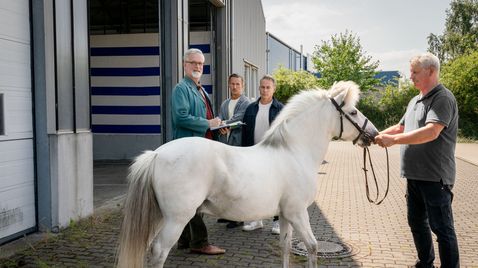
(188, 110)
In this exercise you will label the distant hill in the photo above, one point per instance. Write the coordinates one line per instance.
(387, 77)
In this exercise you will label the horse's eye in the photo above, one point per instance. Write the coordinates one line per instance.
(354, 112)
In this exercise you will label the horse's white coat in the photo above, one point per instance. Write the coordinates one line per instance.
(278, 176)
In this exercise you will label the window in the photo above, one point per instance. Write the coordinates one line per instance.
(251, 82)
(255, 83)
(200, 16)
(123, 17)
(2, 116)
(247, 75)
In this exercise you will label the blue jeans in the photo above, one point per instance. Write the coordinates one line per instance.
(429, 207)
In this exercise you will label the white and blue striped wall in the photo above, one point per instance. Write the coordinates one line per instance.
(202, 41)
(125, 84)
(126, 94)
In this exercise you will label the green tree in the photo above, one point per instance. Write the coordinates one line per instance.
(461, 77)
(461, 31)
(388, 109)
(290, 82)
(342, 58)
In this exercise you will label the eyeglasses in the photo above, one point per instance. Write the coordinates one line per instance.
(195, 63)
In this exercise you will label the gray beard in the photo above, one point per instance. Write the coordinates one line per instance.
(196, 75)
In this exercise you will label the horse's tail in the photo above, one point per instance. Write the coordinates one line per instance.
(142, 215)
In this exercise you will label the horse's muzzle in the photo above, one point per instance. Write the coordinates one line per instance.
(367, 138)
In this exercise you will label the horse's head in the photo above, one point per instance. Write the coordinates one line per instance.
(355, 126)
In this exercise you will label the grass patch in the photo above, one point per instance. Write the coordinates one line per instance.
(68, 243)
(466, 140)
(42, 264)
(9, 263)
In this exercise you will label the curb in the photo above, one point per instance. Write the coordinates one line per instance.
(466, 160)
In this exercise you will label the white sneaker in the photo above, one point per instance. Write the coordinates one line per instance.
(253, 225)
(275, 227)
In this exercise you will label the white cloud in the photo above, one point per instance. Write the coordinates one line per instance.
(389, 31)
(397, 60)
(299, 27)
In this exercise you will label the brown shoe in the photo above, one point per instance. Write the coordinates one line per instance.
(208, 250)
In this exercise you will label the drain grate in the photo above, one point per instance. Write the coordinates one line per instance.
(327, 249)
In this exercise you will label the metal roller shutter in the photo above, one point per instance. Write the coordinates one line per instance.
(17, 191)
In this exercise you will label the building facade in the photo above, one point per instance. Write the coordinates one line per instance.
(89, 80)
(279, 53)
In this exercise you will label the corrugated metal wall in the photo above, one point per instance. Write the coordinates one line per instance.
(248, 37)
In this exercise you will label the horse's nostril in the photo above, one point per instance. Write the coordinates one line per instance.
(368, 138)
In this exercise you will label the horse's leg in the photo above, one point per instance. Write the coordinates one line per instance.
(165, 240)
(300, 223)
(285, 238)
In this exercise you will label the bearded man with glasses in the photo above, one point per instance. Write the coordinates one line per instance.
(193, 116)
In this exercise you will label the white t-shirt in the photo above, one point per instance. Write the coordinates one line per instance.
(231, 107)
(262, 122)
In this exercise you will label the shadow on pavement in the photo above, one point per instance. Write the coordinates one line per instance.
(258, 248)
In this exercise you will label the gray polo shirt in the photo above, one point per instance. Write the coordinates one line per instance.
(434, 160)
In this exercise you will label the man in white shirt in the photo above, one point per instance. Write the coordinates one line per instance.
(232, 110)
(257, 118)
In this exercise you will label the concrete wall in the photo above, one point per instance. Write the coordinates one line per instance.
(62, 127)
(72, 183)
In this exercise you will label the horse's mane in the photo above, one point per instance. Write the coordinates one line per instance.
(299, 103)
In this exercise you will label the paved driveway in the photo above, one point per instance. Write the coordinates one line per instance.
(379, 235)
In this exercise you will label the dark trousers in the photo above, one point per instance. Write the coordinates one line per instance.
(194, 234)
(429, 208)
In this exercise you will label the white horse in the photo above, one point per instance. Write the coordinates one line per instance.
(278, 176)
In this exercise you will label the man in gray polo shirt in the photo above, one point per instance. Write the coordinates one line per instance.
(428, 133)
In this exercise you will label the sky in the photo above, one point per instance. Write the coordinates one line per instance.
(390, 31)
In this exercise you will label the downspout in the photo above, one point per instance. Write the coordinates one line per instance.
(267, 52)
(231, 36)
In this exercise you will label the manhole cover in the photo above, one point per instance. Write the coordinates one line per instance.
(327, 249)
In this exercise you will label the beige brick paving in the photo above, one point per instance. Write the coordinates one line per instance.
(381, 231)
(379, 234)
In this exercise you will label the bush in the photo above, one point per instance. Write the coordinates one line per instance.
(289, 83)
(388, 108)
(461, 77)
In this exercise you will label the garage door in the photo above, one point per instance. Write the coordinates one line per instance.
(17, 192)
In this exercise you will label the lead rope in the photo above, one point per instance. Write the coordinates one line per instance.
(376, 202)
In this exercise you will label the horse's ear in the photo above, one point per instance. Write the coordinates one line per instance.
(347, 91)
(353, 93)
(341, 96)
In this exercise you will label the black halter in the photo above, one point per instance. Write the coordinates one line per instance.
(342, 114)
(375, 201)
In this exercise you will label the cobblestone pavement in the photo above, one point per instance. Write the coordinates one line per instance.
(379, 235)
